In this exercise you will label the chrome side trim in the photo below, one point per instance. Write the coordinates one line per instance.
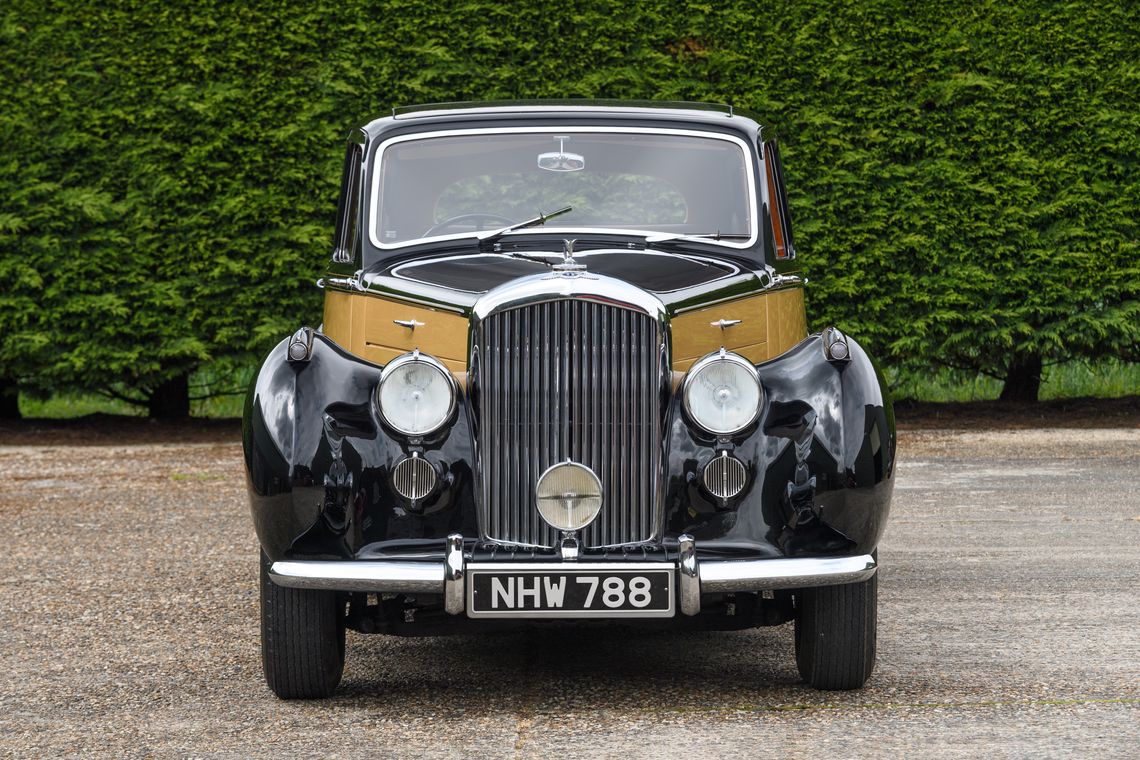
(689, 578)
(726, 576)
(453, 575)
(386, 576)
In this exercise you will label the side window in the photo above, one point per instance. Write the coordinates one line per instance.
(348, 208)
(777, 193)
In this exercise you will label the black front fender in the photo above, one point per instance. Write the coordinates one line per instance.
(819, 463)
(319, 462)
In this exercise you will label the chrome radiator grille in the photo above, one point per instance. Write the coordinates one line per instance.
(569, 379)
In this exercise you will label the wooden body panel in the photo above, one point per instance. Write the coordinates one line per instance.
(365, 325)
(770, 324)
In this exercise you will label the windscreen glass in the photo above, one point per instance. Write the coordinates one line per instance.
(459, 185)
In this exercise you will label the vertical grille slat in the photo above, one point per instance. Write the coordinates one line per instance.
(569, 379)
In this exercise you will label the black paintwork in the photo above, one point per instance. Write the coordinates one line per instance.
(478, 273)
(820, 458)
(319, 463)
(681, 280)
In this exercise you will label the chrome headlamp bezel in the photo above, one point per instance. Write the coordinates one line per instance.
(402, 360)
(703, 363)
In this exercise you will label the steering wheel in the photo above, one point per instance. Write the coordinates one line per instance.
(479, 218)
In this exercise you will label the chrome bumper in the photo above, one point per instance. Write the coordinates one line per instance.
(695, 577)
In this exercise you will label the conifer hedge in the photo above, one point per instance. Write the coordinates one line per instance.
(964, 176)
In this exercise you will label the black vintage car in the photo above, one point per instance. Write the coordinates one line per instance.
(564, 371)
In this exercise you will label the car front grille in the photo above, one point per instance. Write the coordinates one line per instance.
(569, 379)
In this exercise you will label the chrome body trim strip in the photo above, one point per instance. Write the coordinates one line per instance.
(689, 577)
(453, 575)
(726, 576)
(379, 576)
(540, 288)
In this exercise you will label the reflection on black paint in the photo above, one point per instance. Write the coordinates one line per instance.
(819, 464)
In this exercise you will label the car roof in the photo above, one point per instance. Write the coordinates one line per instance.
(692, 114)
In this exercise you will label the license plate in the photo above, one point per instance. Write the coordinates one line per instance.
(570, 591)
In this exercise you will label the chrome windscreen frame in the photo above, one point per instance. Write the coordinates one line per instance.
(546, 288)
(746, 149)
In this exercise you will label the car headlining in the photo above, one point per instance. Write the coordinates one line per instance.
(564, 371)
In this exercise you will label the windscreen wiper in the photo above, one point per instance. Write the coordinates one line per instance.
(493, 235)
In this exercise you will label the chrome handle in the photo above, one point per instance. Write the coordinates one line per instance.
(355, 282)
(411, 324)
(725, 323)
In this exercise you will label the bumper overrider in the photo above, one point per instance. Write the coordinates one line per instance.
(691, 577)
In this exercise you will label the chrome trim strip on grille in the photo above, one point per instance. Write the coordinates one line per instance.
(569, 368)
(541, 288)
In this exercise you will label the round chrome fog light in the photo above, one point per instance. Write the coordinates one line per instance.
(414, 478)
(569, 496)
(724, 476)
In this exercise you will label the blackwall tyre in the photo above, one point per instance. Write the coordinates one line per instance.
(836, 628)
(302, 639)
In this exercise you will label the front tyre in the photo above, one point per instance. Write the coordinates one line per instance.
(302, 639)
(836, 632)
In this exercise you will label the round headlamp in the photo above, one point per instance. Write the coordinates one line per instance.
(722, 393)
(416, 394)
(569, 496)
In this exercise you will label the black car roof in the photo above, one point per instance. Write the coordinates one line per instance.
(691, 114)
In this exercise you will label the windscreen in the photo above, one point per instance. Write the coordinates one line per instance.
(457, 185)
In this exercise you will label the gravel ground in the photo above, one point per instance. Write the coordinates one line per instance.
(1009, 627)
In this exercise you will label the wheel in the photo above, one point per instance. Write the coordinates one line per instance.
(302, 639)
(835, 634)
(478, 218)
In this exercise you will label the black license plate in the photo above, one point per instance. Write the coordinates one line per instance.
(577, 591)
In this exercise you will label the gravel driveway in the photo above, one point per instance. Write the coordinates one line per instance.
(1009, 626)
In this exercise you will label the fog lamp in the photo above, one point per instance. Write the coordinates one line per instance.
(569, 496)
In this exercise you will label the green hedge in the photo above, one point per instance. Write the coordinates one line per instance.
(964, 176)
